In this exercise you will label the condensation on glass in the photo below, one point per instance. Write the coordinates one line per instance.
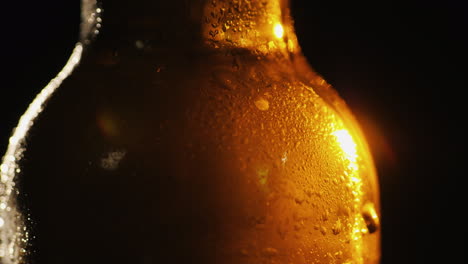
(215, 143)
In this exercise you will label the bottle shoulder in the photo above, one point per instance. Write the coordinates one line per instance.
(137, 79)
(142, 70)
(136, 91)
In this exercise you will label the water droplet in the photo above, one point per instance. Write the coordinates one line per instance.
(112, 160)
(297, 227)
(2, 222)
(160, 68)
(4, 168)
(324, 216)
(282, 232)
(262, 104)
(323, 230)
(370, 217)
(299, 200)
(284, 158)
(336, 229)
(224, 79)
(270, 252)
(344, 211)
(139, 44)
(236, 63)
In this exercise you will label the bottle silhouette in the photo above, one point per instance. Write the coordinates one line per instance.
(188, 132)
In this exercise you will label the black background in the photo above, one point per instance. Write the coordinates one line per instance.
(399, 66)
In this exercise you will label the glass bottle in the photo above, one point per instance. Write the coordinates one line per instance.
(188, 132)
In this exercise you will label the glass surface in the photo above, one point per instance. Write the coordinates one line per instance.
(188, 132)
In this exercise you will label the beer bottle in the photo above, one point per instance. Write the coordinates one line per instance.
(188, 131)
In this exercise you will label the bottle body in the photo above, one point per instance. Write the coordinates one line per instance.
(148, 155)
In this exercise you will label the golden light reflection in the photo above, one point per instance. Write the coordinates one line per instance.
(12, 233)
(349, 150)
(347, 144)
(278, 30)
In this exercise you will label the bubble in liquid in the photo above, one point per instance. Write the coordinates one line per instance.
(370, 217)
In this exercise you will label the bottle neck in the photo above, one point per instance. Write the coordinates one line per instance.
(261, 26)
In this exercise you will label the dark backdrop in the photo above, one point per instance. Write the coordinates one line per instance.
(398, 64)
